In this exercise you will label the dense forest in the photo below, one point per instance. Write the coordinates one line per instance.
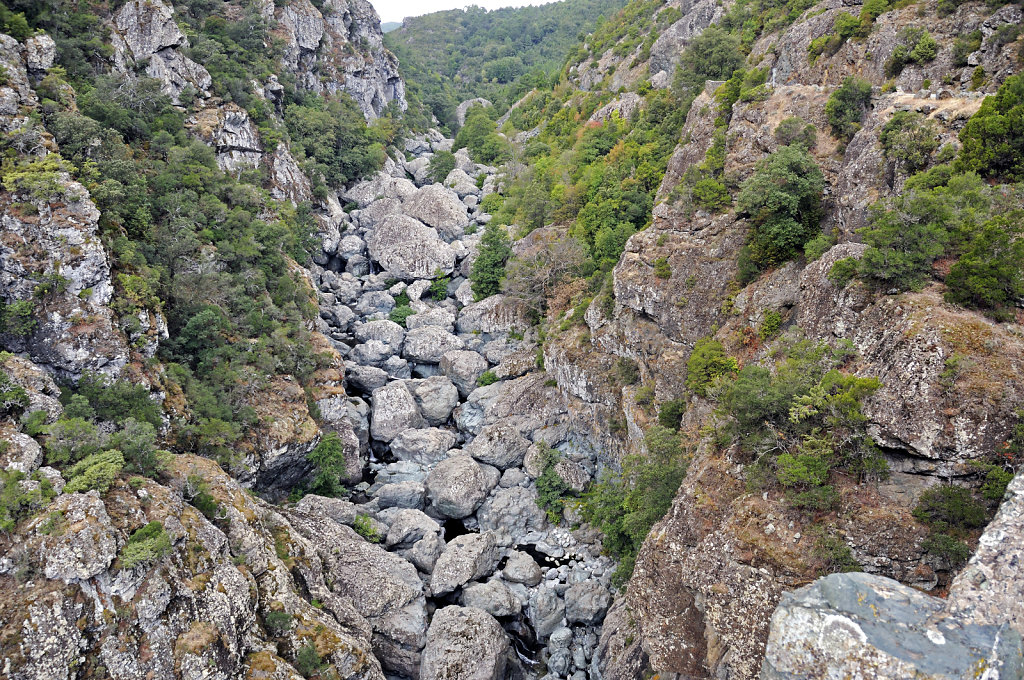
(499, 55)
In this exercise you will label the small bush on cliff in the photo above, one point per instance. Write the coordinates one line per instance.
(795, 130)
(18, 502)
(915, 46)
(552, 491)
(909, 139)
(329, 459)
(146, 544)
(845, 107)
(783, 201)
(441, 163)
(489, 266)
(990, 273)
(707, 363)
(97, 471)
(993, 139)
(13, 398)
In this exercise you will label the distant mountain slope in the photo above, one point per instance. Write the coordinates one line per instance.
(388, 26)
(460, 54)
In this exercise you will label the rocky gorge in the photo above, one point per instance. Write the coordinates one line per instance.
(452, 413)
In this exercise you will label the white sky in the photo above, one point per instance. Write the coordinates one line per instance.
(396, 10)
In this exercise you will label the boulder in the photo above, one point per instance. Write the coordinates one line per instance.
(402, 495)
(545, 611)
(463, 367)
(88, 545)
(388, 333)
(587, 603)
(426, 446)
(499, 445)
(462, 184)
(467, 558)
(464, 643)
(514, 510)
(408, 249)
(427, 344)
(380, 186)
(340, 510)
(438, 316)
(365, 379)
(437, 398)
(863, 625)
(394, 410)
(440, 208)
(457, 486)
(493, 597)
(408, 527)
(521, 568)
(494, 314)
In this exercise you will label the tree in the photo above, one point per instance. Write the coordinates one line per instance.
(909, 139)
(532, 278)
(782, 199)
(707, 362)
(329, 459)
(845, 107)
(993, 139)
(489, 266)
(990, 274)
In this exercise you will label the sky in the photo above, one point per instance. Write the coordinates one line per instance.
(396, 10)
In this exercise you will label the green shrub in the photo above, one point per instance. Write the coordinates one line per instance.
(328, 457)
(644, 395)
(363, 526)
(845, 107)
(489, 267)
(783, 200)
(707, 363)
(441, 163)
(964, 46)
(993, 138)
(662, 269)
(17, 502)
(901, 251)
(915, 45)
(978, 78)
(117, 401)
(626, 371)
(72, 440)
(818, 246)
(949, 507)
(843, 271)
(836, 554)
(278, 623)
(486, 378)
(990, 273)
(307, 660)
(13, 398)
(910, 139)
(770, 324)
(197, 492)
(946, 547)
(670, 413)
(401, 313)
(146, 544)
(439, 286)
(552, 491)
(18, 318)
(34, 424)
(795, 130)
(96, 471)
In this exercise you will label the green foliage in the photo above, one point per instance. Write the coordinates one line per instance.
(770, 324)
(990, 273)
(783, 200)
(479, 134)
(795, 130)
(34, 423)
(95, 471)
(17, 318)
(365, 528)
(14, 24)
(307, 660)
(964, 46)
(846, 105)
(18, 502)
(197, 492)
(489, 266)
(949, 507)
(441, 163)
(486, 378)
(843, 271)
(914, 45)
(401, 313)
(947, 547)
(712, 55)
(70, 440)
(993, 139)
(146, 545)
(670, 413)
(278, 623)
(329, 458)
(115, 401)
(706, 364)
(910, 139)
(626, 371)
(625, 506)
(40, 179)
(439, 287)
(835, 554)
(662, 269)
(552, 491)
(333, 138)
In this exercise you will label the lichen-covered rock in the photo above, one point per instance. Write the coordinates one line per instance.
(457, 486)
(88, 545)
(426, 446)
(228, 129)
(499, 445)
(440, 208)
(586, 603)
(464, 643)
(513, 510)
(428, 344)
(436, 396)
(408, 249)
(467, 558)
(463, 367)
(394, 410)
(859, 625)
(521, 568)
(144, 32)
(493, 597)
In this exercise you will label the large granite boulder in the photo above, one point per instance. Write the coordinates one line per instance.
(463, 367)
(426, 446)
(408, 249)
(394, 410)
(467, 558)
(464, 643)
(440, 208)
(457, 486)
(427, 344)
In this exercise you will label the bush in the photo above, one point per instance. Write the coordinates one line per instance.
(846, 106)
(909, 139)
(439, 287)
(964, 46)
(441, 163)
(770, 324)
(486, 378)
(662, 269)
(552, 491)
(901, 251)
(97, 471)
(953, 551)
(72, 440)
(489, 266)
(990, 274)
(34, 424)
(328, 457)
(278, 623)
(915, 45)
(993, 139)
(17, 502)
(117, 401)
(782, 199)
(365, 528)
(670, 414)
(307, 660)
(795, 130)
(843, 271)
(626, 371)
(707, 363)
(13, 398)
(147, 544)
(947, 507)
(836, 554)
(18, 318)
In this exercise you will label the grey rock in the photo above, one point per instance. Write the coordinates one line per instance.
(408, 249)
(495, 314)
(426, 446)
(545, 611)
(402, 495)
(88, 550)
(466, 558)
(437, 398)
(587, 603)
(463, 367)
(440, 208)
(408, 527)
(560, 662)
(394, 410)
(499, 445)
(573, 474)
(514, 510)
(381, 186)
(337, 509)
(457, 486)
(521, 568)
(863, 625)
(493, 597)
(375, 303)
(512, 477)
(561, 638)
(438, 316)
(388, 333)
(428, 344)
(365, 379)
(463, 185)
(397, 368)
(464, 643)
